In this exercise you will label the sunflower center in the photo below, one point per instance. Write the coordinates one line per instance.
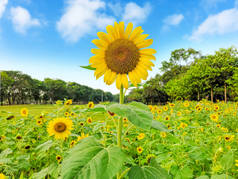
(122, 56)
(60, 127)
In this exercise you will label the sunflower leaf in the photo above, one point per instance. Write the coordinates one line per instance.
(136, 113)
(88, 67)
(89, 159)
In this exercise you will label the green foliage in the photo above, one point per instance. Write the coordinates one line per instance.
(89, 159)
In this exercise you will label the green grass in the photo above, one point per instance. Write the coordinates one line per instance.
(34, 109)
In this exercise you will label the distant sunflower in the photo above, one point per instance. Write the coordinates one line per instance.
(214, 117)
(163, 134)
(39, 122)
(60, 127)
(89, 120)
(24, 112)
(141, 136)
(90, 104)
(82, 136)
(121, 54)
(58, 158)
(139, 149)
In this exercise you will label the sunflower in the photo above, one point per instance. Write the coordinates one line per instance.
(214, 117)
(179, 113)
(186, 104)
(139, 149)
(183, 125)
(72, 143)
(82, 136)
(60, 127)
(121, 54)
(159, 111)
(58, 158)
(2, 176)
(89, 120)
(39, 122)
(72, 114)
(2, 138)
(66, 114)
(163, 134)
(167, 118)
(90, 104)
(229, 138)
(125, 119)
(141, 136)
(68, 102)
(165, 108)
(24, 112)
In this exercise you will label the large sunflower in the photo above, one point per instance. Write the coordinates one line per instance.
(60, 127)
(121, 54)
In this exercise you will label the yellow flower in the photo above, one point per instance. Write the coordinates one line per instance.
(141, 136)
(228, 147)
(2, 176)
(171, 104)
(229, 138)
(167, 118)
(202, 129)
(121, 54)
(68, 102)
(82, 136)
(89, 120)
(2, 138)
(60, 128)
(186, 103)
(179, 113)
(214, 117)
(218, 125)
(165, 108)
(24, 112)
(125, 119)
(39, 122)
(72, 143)
(66, 114)
(72, 114)
(224, 129)
(90, 104)
(140, 149)
(151, 107)
(216, 107)
(183, 125)
(59, 102)
(163, 134)
(58, 158)
(159, 111)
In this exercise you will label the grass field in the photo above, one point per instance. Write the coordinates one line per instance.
(195, 139)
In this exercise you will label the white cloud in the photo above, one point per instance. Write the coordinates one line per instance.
(22, 19)
(221, 23)
(3, 4)
(81, 17)
(116, 8)
(136, 14)
(174, 19)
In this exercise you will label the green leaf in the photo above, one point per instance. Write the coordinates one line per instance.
(88, 67)
(97, 108)
(184, 173)
(45, 146)
(139, 106)
(135, 114)
(5, 153)
(89, 159)
(158, 125)
(146, 172)
(203, 177)
(227, 160)
(222, 176)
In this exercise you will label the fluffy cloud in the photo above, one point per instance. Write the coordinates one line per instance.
(81, 17)
(136, 14)
(173, 19)
(22, 19)
(211, 3)
(3, 4)
(221, 23)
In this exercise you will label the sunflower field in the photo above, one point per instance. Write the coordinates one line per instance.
(179, 140)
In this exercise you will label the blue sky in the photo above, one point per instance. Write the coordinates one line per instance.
(53, 38)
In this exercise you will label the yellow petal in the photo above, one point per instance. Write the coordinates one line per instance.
(96, 59)
(121, 29)
(98, 51)
(116, 30)
(131, 77)
(147, 56)
(107, 76)
(118, 81)
(128, 30)
(125, 81)
(137, 31)
(104, 37)
(100, 44)
(110, 31)
(147, 51)
(112, 78)
(145, 43)
(99, 72)
(140, 38)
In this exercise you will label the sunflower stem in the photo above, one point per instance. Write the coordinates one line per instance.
(119, 127)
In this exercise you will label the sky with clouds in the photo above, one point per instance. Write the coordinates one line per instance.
(53, 38)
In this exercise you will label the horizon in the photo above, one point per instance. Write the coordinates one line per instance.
(52, 40)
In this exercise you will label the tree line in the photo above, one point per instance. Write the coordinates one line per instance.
(19, 88)
(189, 75)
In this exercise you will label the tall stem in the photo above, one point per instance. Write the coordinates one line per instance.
(119, 129)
